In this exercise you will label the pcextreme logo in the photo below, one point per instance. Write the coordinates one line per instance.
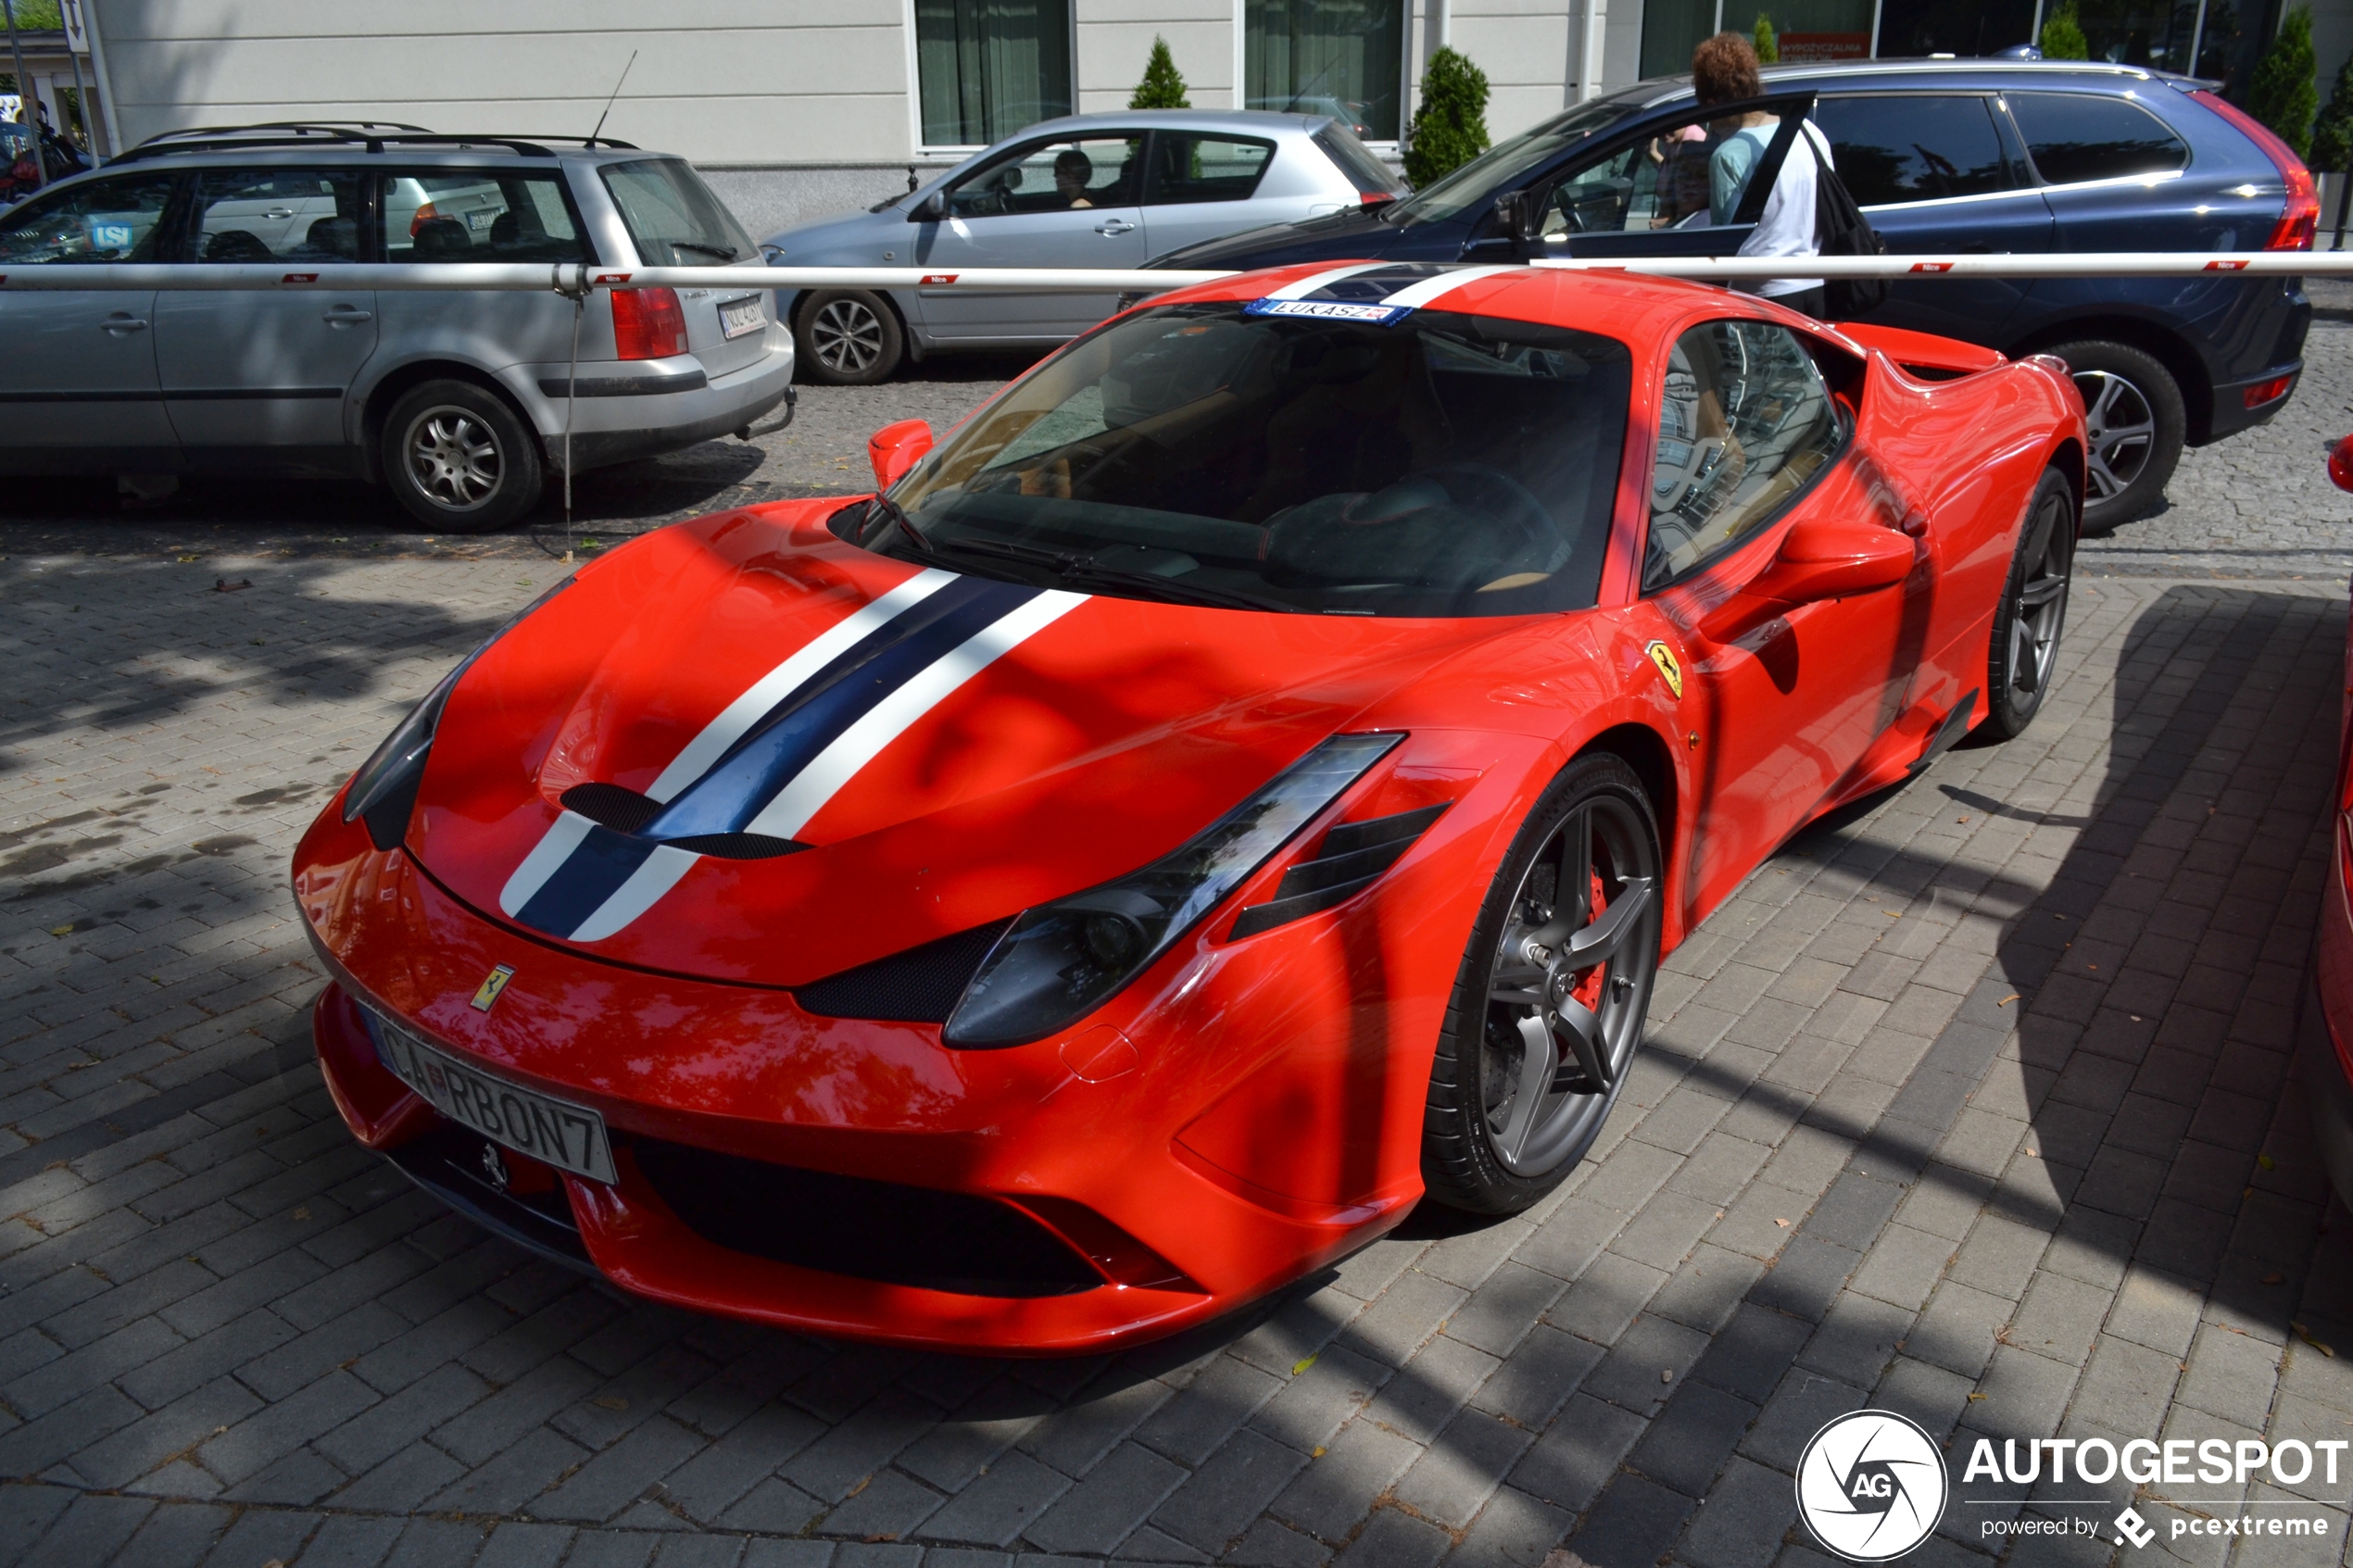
(1871, 1486)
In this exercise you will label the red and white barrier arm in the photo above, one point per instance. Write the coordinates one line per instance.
(461, 276)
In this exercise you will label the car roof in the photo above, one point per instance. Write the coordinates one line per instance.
(1241, 122)
(1979, 74)
(307, 144)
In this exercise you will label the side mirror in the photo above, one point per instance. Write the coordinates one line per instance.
(895, 450)
(1826, 559)
(1520, 215)
(931, 209)
(2341, 464)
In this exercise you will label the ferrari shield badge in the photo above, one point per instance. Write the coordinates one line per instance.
(492, 984)
(1661, 655)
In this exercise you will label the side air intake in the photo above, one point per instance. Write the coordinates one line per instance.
(1351, 858)
(625, 810)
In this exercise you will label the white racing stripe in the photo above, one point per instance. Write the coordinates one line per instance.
(656, 876)
(1314, 281)
(783, 681)
(839, 763)
(1413, 296)
(564, 836)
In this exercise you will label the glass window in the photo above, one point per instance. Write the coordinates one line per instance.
(1967, 27)
(107, 220)
(1689, 176)
(1354, 160)
(673, 218)
(1339, 57)
(491, 216)
(1472, 189)
(1744, 423)
(1187, 168)
(1914, 146)
(2074, 136)
(988, 68)
(1448, 465)
(278, 215)
(1051, 177)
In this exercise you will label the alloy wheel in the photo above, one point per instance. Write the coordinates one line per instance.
(847, 337)
(2122, 428)
(454, 458)
(2041, 607)
(1569, 986)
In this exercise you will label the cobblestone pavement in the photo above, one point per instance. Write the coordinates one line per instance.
(1973, 1105)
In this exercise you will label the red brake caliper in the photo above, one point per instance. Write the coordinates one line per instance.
(1588, 990)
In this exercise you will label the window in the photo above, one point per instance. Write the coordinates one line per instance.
(1339, 57)
(1355, 160)
(1187, 168)
(1072, 174)
(988, 68)
(491, 216)
(1689, 176)
(278, 215)
(2074, 136)
(110, 221)
(1912, 147)
(1744, 423)
(671, 216)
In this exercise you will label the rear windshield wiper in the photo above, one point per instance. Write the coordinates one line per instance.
(724, 253)
(1081, 571)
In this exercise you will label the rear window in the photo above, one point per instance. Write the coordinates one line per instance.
(1189, 168)
(2074, 137)
(1914, 146)
(1354, 160)
(671, 214)
(492, 216)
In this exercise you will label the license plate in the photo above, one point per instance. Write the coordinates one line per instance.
(481, 220)
(571, 1138)
(737, 317)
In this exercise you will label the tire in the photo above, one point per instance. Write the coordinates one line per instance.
(2132, 409)
(1499, 1129)
(459, 459)
(847, 338)
(2033, 612)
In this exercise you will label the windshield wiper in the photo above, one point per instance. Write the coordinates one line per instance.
(916, 540)
(724, 253)
(1080, 569)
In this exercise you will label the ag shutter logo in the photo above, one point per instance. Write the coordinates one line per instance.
(1871, 1486)
(492, 984)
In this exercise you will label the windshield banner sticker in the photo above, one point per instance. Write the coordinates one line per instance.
(1330, 310)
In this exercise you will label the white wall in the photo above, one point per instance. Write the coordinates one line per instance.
(1115, 40)
(1526, 48)
(717, 80)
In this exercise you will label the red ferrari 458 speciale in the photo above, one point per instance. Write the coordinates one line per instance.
(1238, 784)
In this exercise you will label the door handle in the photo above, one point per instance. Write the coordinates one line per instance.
(347, 315)
(1113, 226)
(119, 323)
(279, 212)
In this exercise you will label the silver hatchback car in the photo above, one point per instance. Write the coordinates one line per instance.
(458, 402)
(1089, 190)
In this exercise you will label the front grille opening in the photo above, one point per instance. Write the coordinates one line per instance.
(920, 985)
(625, 810)
(951, 1241)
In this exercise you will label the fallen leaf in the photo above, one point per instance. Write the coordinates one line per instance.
(2274, 1277)
(2006, 1001)
(2034, 1154)
(609, 1402)
(61, 930)
(2265, 1160)
(1974, 1397)
(303, 1213)
(1666, 1374)
(1783, 1224)
(2306, 1334)
(1303, 1366)
(1315, 1453)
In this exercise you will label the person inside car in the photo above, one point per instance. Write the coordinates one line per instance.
(1072, 169)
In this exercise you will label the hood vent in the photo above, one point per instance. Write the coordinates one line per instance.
(1351, 858)
(625, 810)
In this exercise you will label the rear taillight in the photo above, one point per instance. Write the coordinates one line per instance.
(425, 215)
(2270, 391)
(648, 323)
(2302, 214)
(1374, 198)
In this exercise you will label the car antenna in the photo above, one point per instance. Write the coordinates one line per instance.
(609, 102)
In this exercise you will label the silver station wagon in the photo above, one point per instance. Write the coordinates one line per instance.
(1089, 190)
(456, 401)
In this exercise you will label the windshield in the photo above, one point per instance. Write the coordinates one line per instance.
(1448, 465)
(1471, 189)
(673, 218)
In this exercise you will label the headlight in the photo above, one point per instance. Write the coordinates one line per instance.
(1061, 961)
(384, 789)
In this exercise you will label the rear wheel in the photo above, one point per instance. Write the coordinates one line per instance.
(460, 460)
(847, 338)
(2132, 413)
(1549, 1001)
(2027, 622)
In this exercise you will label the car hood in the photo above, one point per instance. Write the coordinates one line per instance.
(1351, 235)
(806, 242)
(740, 749)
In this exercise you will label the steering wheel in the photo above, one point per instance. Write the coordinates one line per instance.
(1535, 522)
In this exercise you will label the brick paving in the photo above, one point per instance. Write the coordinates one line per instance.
(1973, 1105)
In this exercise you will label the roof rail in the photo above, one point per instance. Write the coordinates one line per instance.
(373, 136)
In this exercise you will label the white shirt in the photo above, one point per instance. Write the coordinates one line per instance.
(1786, 226)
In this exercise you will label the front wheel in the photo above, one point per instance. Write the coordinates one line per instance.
(1549, 1001)
(2025, 655)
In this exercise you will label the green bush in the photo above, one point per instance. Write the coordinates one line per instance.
(1162, 88)
(1768, 44)
(2063, 35)
(1450, 129)
(36, 15)
(2333, 135)
(2282, 93)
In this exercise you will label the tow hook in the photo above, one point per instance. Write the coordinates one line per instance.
(792, 401)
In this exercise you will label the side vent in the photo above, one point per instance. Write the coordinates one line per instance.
(625, 810)
(1351, 858)
(920, 985)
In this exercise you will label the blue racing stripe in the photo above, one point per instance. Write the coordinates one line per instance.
(791, 738)
(592, 874)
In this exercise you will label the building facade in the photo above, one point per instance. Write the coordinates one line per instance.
(800, 107)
